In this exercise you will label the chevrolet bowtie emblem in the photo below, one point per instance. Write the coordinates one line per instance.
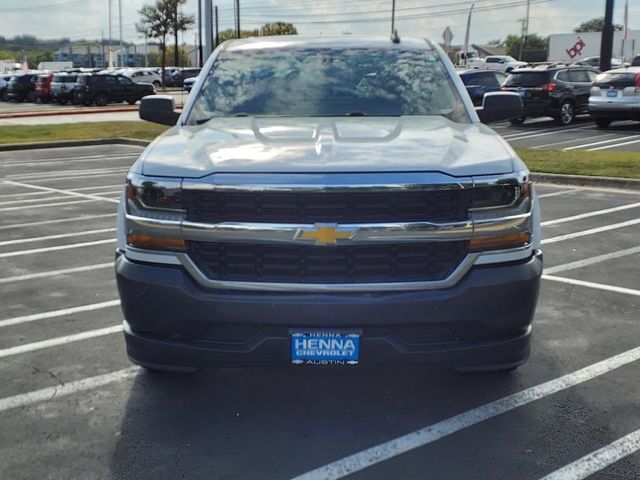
(324, 234)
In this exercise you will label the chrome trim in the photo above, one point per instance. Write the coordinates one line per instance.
(151, 256)
(495, 226)
(361, 233)
(326, 182)
(153, 226)
(206, 282)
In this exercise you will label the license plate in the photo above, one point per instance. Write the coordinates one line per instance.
(325, 348)
(612, 93)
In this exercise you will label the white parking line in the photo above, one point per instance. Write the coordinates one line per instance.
(50, 393)
(57, 313)
(556, 194)
(19, 241)
(25, 201)
(598, 460)
(419, 438)
(83, 160)
(597, 286)
(57, 248)
(58, 220)
(536, 135)
(531, 132)
(563, 142)
(591, 231)
(590, 214)
(55, 273)
(60, 190)
(614, 146)
(593, 144)
(565, 267)
(121, 174)
(64, 173)
(56, 342)
(46, 205)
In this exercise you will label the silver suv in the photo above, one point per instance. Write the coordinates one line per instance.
(615, 95)
(329, 201)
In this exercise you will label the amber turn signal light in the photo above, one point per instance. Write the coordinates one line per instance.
(142, 240)
(503, 242)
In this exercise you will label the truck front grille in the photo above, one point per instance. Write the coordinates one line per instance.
(446, 205)
(409, 262)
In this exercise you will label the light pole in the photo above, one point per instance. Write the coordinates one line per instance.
(466, 36)
(606, 46)
(121, 43)
(525, 30)
(110, 37)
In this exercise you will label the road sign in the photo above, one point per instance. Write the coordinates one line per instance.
(447, 36)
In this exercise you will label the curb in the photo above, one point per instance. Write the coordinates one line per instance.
(552, 178)
(53, 113)
(586, 181)
(8, 147)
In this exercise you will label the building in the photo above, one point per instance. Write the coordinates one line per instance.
(572, 47)
(96, 55)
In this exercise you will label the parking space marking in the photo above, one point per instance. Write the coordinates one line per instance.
(65, 173)
(592, 260)
(614, 146)
(60, 190)
(50, 393)
(121, 173)
(536, 135)
(419, 438)
(8, 322)
(591, 231)
(593, 144)
(573, 140)
(54, 161)
(19, 253)
(595, 213)
(55, 273)
(57, 341)
(55, 237)
(45, 205)
(57, 220)
(598, 460)
(597, 286)
(24, 202)
(556, 194)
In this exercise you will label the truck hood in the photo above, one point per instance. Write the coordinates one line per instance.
(328, 145)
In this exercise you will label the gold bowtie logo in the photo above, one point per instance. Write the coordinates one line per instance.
(324, 234)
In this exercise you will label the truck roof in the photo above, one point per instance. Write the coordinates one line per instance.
(337, 41)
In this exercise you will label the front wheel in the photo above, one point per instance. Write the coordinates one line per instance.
(132, 101)
(567, 113)
(517, 120)
(101, 100)
(602, 122)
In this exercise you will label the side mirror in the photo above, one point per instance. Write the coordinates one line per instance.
(498, 106)
(159, 109)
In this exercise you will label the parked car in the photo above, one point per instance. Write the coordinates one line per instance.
(62, 87)
(479, 82)
(502, 63)
(595, 62)
(557, 92)
(104, 89)
(168, 76)
(615, 95)
(180, 75)
(187, 85)
(42, 92)
(144, 75)
(22, 87)
(4, 83)
(273, 223)
(636, 61)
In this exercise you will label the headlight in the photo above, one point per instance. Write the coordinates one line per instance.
(154, 213)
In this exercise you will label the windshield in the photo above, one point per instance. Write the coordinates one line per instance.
(526, 79)
(327, 82)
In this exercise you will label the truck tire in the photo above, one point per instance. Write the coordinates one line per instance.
(517, 120)
(602, 122)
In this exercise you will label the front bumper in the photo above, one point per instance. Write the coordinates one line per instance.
(484, 321)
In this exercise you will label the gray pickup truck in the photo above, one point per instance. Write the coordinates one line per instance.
(329, 201)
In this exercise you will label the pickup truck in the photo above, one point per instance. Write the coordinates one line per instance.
(501, 63)
(328, 201)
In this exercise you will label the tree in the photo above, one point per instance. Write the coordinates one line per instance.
(155, 23)
(534, 42)
(594, 25)
(230, 33)
(278, 28)
(185, 60)
(179, 23)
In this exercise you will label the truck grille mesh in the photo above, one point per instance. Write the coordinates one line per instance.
(327, 264)
(333, 207)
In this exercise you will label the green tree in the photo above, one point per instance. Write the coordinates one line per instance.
(155, 22)
(278, 28)
(230, 33)
(179, 22)
(594, 25)
(534, 42)
(184, 59)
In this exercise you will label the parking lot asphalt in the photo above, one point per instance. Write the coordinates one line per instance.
(583, 134)
(72, 407)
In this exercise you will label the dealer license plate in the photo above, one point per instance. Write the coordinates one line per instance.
(612, 93)
(325, 348)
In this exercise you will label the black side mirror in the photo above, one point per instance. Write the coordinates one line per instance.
(498, 106)
(159, 109)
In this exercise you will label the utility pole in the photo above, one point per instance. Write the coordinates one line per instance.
(121, 42)
(208, 37)
(236, 12)
(466, 36)
(393, 17)
(176, 56)
(199, 39)
(216, 38)
(110, 62)
(525, 30)
(606, 48)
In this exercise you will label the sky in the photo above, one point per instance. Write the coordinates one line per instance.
(492, 19)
